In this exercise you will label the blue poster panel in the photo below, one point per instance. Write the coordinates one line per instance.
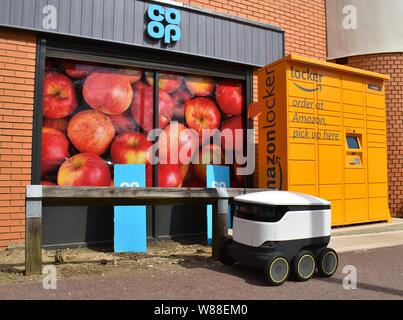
(216, 177)
(130, 221)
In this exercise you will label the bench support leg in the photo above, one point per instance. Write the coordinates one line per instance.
(220, 228)
(33, 234)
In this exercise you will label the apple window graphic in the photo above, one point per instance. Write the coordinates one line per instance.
(96, 115)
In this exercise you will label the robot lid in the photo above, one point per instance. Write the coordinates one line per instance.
(281, 198)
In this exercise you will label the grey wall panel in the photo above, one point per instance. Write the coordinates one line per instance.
(118, 17)
(262, 46)
(16, 12)
(97, 17)
(56, 4)
(204, 33)
(210, 36)
(269, 46)
(128, 30)
(248, 44)
(218, 52)
(107, 31)
(64, 20)
(256, 45)
(75, 17)
(225, 40)
(233, 41)
(38, 15)
(185, 29)
(193, 37)
(241, 42)
(201, 35)
(139, 22)
(28, 19)
(86, 18)
(5, 12)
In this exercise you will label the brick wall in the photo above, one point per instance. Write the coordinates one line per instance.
(17, 68)
(392, 64)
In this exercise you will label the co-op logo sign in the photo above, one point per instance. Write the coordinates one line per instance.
(163, 24)
(307, 75)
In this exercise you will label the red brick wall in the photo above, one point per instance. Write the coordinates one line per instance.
(17, 69)
(392, 64)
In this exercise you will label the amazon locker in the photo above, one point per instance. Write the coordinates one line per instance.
(322, 131)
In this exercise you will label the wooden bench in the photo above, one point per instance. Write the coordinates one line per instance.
(38, 196)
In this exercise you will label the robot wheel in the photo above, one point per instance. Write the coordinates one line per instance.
(277, 269)
(303, 265)
(327, 262)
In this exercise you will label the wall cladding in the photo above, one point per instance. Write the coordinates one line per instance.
(203, 33)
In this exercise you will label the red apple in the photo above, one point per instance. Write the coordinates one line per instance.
(209, 154)
(132, 75)
(188, 176)
(138, 85)
(143, 112)
(229, 97)
(149, 175)
(54, 149)
(184, 169)
(169, 175)
(47, 183)
(91, 131)
(202, 113)
(178, 138)
(180, 96)
(168, 82)
(239, 179)
(199, 86)
(59, 124)
(59, 98)
(49, 65)
(108, 92)
(194, 184)
(84, 169)
(123, 123)
(78, 69)
(130, 147)
(230, 125)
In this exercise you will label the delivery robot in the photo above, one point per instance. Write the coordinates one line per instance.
(282, 233)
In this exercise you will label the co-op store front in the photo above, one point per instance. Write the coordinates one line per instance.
(95, 94)
(87, 48)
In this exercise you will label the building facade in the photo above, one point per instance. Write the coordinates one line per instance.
(220, 39)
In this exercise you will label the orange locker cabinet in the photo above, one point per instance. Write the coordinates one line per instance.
(322, 131)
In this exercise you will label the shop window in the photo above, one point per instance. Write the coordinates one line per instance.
(96, 115)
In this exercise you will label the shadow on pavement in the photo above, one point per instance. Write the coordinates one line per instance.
(367, 286)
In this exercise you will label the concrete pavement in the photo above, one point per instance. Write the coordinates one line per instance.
(379, 276)
(368, 236)
(374, 251)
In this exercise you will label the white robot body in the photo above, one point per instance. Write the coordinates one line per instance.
(293, 226)
(281, 231)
